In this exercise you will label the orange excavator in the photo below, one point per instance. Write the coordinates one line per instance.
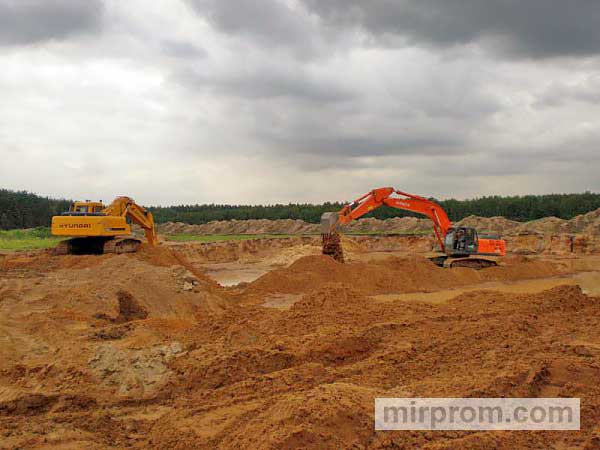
(460, 246)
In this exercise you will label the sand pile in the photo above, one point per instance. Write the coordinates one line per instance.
(396, 275)
(158, 276)
(310, 377)
(392, 275)
(72, 316)
(144, 351)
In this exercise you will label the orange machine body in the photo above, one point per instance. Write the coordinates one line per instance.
(454, 241)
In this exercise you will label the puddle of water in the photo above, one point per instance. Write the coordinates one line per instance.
(589, 282)
(230, 274)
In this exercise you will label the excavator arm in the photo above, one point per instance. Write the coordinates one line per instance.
(126, 207)
(390, 197)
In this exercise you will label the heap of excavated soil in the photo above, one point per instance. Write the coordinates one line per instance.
(392, 275)
(144, 351)
(308, 377)
(100, 325)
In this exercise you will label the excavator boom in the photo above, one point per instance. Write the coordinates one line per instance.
(126, 207)
(385, 196)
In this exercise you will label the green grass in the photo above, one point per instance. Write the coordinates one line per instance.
(40, 238)
(34, 238)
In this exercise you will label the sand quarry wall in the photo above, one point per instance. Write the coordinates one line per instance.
(583, 224)
(580, 235)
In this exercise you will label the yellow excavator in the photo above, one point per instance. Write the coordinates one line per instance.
(98, 229)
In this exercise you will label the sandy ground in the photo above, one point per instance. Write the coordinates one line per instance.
(270, 345)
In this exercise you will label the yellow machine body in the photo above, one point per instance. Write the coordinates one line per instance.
(94, 227)
(80, 226)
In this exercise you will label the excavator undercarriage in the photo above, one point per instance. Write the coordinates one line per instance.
(467, 261)
(332, 247)
(97, 246)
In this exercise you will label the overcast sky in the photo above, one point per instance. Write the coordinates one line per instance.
(262, 101)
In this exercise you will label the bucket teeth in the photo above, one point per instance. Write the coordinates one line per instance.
(332, 246)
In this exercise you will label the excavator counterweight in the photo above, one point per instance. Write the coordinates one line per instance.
(96, 229)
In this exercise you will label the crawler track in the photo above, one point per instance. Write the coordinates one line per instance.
(97, 246)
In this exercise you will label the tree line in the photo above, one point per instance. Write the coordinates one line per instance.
(21, 209)
(521, 208)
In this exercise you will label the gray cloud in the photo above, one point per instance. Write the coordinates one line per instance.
(557, 94)
(31, 21)
(532, 28)
(294, 100)
(181, 49)
(266, 83)
(272, 23)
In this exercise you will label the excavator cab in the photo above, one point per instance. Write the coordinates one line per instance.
(86, 208)
(461, 241)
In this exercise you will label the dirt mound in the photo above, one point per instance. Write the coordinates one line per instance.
(145, 351)
(330, 297)
(129, 308)
(519, 268)
(310, 272)
(310, 377)
(391, 275)
(158, 256)
(317, 418)
(162, 291)
(44, 261)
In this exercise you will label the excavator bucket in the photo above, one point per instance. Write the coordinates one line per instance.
(329, 221)
(331, 238)
(332, 246)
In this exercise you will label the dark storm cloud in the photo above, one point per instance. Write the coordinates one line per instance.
(270, 22)
(531, 28)
(31, 21)
(272, 95)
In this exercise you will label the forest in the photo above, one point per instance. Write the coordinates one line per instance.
(21, 209)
